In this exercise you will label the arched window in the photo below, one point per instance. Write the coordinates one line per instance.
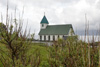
(44, 38)
(48, 37)
(63, 37)
(58, 36)
(42, 25)
(53, 38)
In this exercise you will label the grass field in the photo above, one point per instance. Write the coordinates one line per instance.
(60, 54)
(42, 48)
(34, 46)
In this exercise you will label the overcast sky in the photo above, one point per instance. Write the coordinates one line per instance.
(57, 12)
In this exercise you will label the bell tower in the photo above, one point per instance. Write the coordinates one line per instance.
(44, 22)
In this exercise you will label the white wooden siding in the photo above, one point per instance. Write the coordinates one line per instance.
(44, 26)
(61, 36)
(70, 32)
(46, 37)
(56, 37)
(51, 37)
(42, 37)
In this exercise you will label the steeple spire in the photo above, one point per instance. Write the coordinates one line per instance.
(44, 13)
(44, 20)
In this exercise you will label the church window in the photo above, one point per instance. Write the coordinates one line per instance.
(42, 25)
(53, 38)
(44, 38)
(49, 38)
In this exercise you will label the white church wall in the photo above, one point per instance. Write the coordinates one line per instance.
(51, 37)
(46, 37)
(42, 37)
(56, 37)
(70, 32)
(44, 26)
(61, 36)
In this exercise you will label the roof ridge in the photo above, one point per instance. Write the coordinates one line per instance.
(59, 24)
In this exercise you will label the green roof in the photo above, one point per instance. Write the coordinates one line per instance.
(56, 30)
(44, 20)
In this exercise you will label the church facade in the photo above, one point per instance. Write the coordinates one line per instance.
(53, 32)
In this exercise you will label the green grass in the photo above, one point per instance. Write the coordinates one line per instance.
(39, 46)
(42, 48)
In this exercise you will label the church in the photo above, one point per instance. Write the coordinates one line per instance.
(54, 32)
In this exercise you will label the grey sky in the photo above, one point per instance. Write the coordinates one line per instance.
(57, 12)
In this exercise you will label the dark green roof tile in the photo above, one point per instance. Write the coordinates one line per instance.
(56, 30)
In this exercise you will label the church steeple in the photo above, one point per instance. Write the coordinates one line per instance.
(44, 22)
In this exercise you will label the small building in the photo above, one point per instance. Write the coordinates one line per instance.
(53, 32)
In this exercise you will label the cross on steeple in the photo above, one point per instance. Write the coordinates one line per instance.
(44, 13)
(44, 20)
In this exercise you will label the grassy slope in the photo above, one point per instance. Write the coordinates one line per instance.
(42, 48)
(39, 46)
